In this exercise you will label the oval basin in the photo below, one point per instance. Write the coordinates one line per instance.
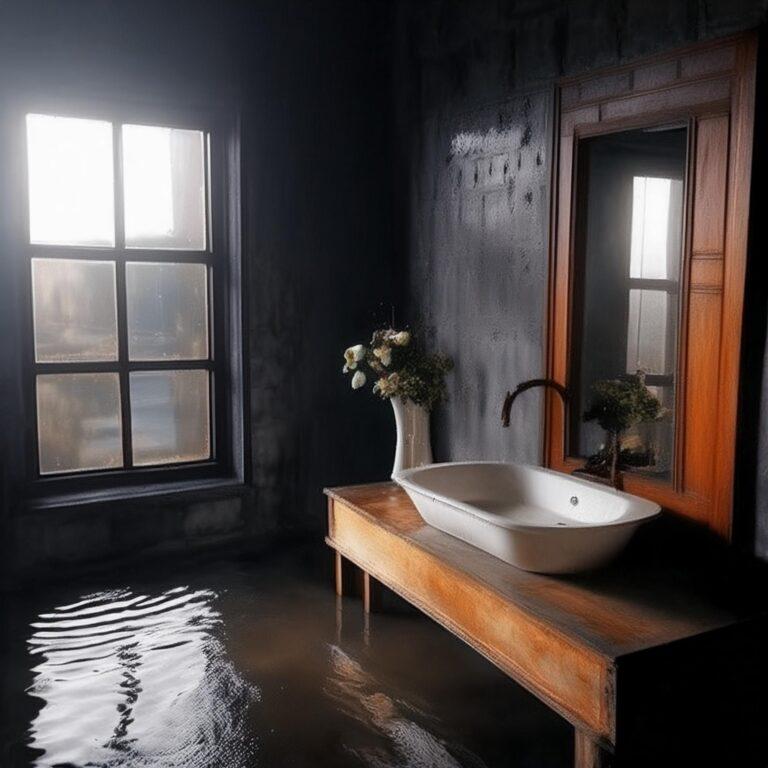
(533, 518)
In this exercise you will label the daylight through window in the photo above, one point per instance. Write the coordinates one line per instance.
(121, 273)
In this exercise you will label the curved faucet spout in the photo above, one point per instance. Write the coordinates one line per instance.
(512, 396)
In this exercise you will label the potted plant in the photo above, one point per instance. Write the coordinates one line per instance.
(410, 378)
(617, 405)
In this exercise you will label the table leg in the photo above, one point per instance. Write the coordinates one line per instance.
(339, 574)
(348, 578)
(589, 754)
(351, 580)
(371, 593)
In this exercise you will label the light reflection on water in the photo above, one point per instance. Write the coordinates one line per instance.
(408, 744)
(255, 664)
(138, 680)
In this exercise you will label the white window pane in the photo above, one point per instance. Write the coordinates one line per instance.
(650, 331)
(164, 182)
(656, 228)
(170, 416)
(74, 310)
(71, 194)
(78, 422)
(167, 311)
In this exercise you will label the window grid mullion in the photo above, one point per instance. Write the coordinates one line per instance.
(653, 284)
(120, 295)
(120, 254)
(208, 191)
(115, 366)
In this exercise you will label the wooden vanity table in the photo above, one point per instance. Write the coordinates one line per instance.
(653, 663)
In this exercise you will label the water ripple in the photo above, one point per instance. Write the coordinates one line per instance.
(406, 739)
(138, 680)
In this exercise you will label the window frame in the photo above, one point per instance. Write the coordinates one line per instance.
(224, 284)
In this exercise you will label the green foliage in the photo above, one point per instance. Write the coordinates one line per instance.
(619, 404)
(422, 378)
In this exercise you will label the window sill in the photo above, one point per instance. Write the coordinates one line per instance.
(191, 490)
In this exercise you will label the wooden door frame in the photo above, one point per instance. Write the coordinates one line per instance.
(691, 85)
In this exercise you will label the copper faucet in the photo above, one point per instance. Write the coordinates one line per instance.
(613, 480)
(512, 396)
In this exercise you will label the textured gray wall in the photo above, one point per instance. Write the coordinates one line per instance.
(479, 271)
(478, 252)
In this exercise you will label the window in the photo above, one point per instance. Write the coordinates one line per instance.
(654, 269)
(653, 307)
(124, 275)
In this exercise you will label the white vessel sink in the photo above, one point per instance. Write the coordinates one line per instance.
(532, 518)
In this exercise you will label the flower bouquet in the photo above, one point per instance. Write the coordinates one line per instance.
(413, 380)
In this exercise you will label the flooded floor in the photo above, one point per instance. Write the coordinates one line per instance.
(251, 663)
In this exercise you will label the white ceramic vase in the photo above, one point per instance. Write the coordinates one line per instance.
(413, 448)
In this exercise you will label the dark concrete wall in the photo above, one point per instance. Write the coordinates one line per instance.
(320, 250)
(478, 275)
(476, 92)
(311, 82)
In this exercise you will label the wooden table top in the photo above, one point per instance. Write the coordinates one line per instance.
(651, 596)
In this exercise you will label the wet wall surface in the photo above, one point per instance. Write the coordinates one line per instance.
(478, 272)
(244, 664)
(480, 76)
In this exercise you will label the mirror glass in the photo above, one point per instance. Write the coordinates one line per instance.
(628, 244)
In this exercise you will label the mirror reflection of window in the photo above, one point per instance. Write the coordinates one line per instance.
(653, 270)
(628, 249)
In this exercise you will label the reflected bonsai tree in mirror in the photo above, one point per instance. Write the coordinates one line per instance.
(617, 405)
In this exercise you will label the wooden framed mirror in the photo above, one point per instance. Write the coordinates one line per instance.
(648, 260)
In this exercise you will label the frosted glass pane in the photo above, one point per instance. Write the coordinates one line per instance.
(164, 182)
(650, 332)
(78, 422)
(167, 311)
(74, 310)
(656, 228)
(170, 417)
(71, 194)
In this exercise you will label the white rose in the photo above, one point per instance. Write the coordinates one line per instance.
(358, 380)
(383, 354)
(353, 355)
(402, 339)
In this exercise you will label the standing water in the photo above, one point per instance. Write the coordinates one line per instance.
(237, 664)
